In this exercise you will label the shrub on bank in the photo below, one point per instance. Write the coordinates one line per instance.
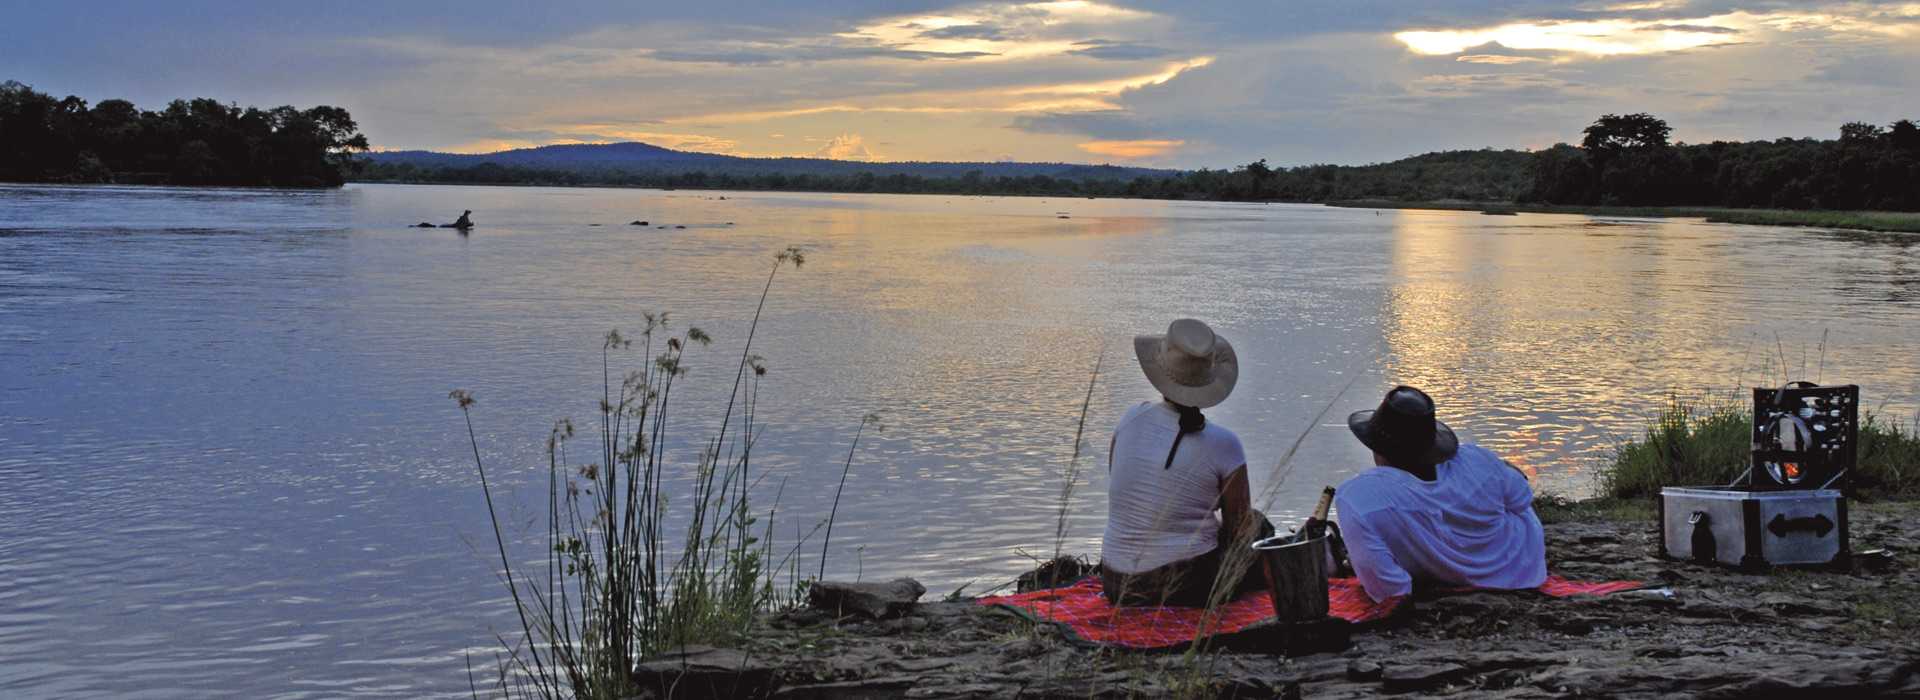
(1694, 444)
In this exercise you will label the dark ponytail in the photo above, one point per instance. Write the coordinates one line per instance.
(1191, 421)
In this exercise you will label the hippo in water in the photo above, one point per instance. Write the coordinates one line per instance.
(463, 223)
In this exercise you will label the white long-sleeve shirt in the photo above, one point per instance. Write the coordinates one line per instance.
(1472, 526)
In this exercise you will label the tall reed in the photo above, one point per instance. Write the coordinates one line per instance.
(617, 586)
(1068, 484)
(826, 540)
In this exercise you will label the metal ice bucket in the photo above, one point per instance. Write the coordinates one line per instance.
(1296, 569)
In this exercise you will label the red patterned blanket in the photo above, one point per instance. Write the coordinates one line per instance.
(1083, 613)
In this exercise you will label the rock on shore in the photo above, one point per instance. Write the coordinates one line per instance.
(873, 601)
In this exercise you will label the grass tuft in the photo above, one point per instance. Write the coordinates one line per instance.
(1696, 444)
(615, 585)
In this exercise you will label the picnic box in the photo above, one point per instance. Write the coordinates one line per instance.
(1790, 507)
(1754, 529)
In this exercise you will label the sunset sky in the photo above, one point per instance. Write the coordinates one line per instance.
(1184, 84)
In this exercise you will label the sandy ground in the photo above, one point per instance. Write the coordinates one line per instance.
(1713, 633)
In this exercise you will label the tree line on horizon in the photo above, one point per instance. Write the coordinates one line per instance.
(189, 142)
(1477, 175)
(1623, 160)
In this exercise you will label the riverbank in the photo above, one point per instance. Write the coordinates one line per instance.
(1879, 221)
(1704, 631)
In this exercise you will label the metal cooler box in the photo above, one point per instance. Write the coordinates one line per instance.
(1754, 529)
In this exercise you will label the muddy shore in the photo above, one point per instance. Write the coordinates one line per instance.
(1706, 632)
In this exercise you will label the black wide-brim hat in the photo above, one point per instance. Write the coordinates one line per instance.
(1403, 429)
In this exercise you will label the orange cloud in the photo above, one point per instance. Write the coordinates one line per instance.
(1140, 148)
(701, 143)
(498, 145)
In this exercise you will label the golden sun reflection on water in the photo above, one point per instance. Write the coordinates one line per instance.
(1549, 347)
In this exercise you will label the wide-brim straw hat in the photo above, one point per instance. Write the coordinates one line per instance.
(1190, 364)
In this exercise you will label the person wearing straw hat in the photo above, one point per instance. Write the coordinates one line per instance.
(1170, 470)
(1435, 510)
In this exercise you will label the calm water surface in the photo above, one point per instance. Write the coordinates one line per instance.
(228, 464)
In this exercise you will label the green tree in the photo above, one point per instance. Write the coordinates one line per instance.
(198, 141)
(1904, 135)
(1613, 132)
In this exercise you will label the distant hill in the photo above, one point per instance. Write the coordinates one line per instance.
(1484, 175)
(641, 159)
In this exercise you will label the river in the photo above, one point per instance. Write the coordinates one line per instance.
(228, 464)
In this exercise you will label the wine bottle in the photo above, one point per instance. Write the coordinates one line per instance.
(1316, 525)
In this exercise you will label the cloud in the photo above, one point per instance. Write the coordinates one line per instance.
(1487, 84)
(763, 55)
(1012, 91)
(966, 31)
(1892, 70)
(1342, 99)
(1112, 124)
(1007, 29)
(1117, 50)
(1697, 28)
(1132, 150)
(741, 57)
(1497, 59)
(845, 147)
(598, 133)
(1593, 38)
(497, 145)
(1495, 54)
(1703, 27)
(602, 133)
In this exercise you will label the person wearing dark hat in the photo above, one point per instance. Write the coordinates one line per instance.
(1433, 510)
(1170, 471)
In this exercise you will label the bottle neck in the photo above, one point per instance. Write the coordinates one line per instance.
(1326, 504)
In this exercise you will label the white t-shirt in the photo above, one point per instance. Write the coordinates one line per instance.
(1472, 526)
(1156, 514)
